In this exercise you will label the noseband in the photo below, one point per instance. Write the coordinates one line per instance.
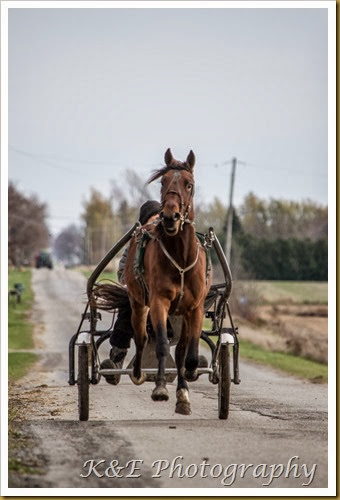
(183, 213)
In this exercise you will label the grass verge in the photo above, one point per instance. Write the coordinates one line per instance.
(19, 364)
(295, 365)
(20, 330)
(20, 339)
(288, 363)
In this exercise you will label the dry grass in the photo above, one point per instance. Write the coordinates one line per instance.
(276, 319)
(305, 336)
(245, 300)
(292, 292)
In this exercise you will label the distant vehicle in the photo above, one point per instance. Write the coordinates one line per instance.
(44, 259)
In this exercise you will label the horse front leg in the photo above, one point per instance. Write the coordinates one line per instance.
(187, 358)
(182, 391)
(138, 321)
(159, 313)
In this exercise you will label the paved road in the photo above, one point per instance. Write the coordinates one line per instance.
(275, 437)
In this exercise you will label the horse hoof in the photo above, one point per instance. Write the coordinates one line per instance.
(183, 407)
(138, 381)
(183, 403)
(191, 376)
(160, 394)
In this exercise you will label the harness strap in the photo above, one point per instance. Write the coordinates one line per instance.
(142, 236)
(181, 270)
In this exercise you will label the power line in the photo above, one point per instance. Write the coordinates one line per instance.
(49, 158)
(46, 161)
(284, 169)
(61, 159)
(273, 169)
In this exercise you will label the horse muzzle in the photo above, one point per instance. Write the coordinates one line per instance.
(171, 224)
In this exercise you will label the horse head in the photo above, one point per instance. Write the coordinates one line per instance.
(177, 192)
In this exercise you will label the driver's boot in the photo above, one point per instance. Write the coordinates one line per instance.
(117, 356)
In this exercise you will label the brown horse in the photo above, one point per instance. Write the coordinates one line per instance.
(174, 281)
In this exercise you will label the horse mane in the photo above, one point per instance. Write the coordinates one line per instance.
(177, 165)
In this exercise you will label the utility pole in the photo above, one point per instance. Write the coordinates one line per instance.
(229, 230)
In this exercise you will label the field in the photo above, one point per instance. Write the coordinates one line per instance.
(107, 274)
(292, 292)
(284, 317)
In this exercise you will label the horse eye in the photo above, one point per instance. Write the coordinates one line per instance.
(189, 187)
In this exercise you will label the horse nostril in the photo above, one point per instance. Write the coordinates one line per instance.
(170, 218)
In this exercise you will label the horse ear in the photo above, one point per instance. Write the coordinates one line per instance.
(191, 159)
(168, 157)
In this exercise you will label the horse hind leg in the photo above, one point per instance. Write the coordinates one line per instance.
(191, 362)
(160, 393)
(192, 357)
(138, 320)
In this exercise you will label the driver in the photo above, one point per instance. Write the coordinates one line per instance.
(122, 331)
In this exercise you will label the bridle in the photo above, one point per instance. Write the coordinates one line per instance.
(184, 220)
(183, 212)
(173, 188)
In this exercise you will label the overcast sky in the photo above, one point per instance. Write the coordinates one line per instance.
(94, 91)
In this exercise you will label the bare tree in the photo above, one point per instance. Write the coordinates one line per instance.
(138, 189)
(27, 228)
(69, 245)
(126, 202)
(98, 218)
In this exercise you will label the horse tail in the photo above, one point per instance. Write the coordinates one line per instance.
(109, 296)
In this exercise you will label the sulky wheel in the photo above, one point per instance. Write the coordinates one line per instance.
(224, 382)
(83, 382)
